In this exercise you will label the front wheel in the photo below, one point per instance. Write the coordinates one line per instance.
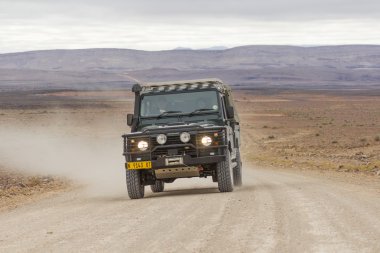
(158, 186)
(135, 188)
(223, 174)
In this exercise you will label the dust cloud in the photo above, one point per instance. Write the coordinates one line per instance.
(93, 161)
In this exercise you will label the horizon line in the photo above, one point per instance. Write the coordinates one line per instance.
(179, 48)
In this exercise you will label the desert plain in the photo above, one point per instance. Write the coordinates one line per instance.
(320, 131)
(311, 161)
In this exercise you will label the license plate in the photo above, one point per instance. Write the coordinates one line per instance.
(139, 165)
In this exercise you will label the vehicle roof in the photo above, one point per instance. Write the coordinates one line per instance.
(184, 85)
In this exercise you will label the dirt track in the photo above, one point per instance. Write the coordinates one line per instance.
(274, 212)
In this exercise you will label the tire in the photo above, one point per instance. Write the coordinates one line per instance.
(237, 171)
(135, 188)
(158, 186)
(223, 173)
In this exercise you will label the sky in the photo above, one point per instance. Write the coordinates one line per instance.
(166, 24)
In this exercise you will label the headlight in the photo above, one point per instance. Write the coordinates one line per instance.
(142, 145)
(161, 139)
(206, 141)
(185, 137)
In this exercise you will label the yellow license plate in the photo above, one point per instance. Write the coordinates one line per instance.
(139, 165)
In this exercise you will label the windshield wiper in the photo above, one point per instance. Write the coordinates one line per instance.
(166, 113)
(201, 110)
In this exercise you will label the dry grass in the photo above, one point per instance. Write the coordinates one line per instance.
(312, 130)
(16, 188)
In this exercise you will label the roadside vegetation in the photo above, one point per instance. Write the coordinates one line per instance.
(313, 130)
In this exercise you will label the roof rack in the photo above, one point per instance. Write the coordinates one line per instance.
(181, 85)
(199, 81)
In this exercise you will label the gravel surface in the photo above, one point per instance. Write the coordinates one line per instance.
(275, 211)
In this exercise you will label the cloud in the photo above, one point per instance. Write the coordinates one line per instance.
(165, 24)
(168, 9)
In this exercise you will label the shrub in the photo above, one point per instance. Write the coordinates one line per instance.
(34, 181)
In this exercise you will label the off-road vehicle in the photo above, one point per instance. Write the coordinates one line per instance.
(182, 129)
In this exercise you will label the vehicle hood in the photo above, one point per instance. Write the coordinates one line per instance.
(179, 126)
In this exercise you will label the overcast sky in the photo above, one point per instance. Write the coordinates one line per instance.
(167, 24)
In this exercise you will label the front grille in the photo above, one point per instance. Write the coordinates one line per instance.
(164, 150)
(172, 139)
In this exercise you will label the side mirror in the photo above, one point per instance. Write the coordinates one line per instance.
(230, 112)
(129, 119)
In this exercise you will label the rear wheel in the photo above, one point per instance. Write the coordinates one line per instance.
(158, 186)
(135, 188)
(223, 173)
(237, 171)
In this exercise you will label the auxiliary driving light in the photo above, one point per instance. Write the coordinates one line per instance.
(161, 139)
(185, 137)
(206, 141)
(142, 145)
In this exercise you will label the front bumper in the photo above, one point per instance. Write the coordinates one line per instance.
(161, 162)
(188, 161)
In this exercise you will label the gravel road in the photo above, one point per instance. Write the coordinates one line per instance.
(275, 211)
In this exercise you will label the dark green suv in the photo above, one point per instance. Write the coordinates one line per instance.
(182, 129)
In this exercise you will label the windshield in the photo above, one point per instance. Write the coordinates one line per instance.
(161, 105)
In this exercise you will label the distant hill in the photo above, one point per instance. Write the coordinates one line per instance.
(182, 48)
(355, 65)
(215, 48)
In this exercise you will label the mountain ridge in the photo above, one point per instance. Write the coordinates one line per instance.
(245, 65)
